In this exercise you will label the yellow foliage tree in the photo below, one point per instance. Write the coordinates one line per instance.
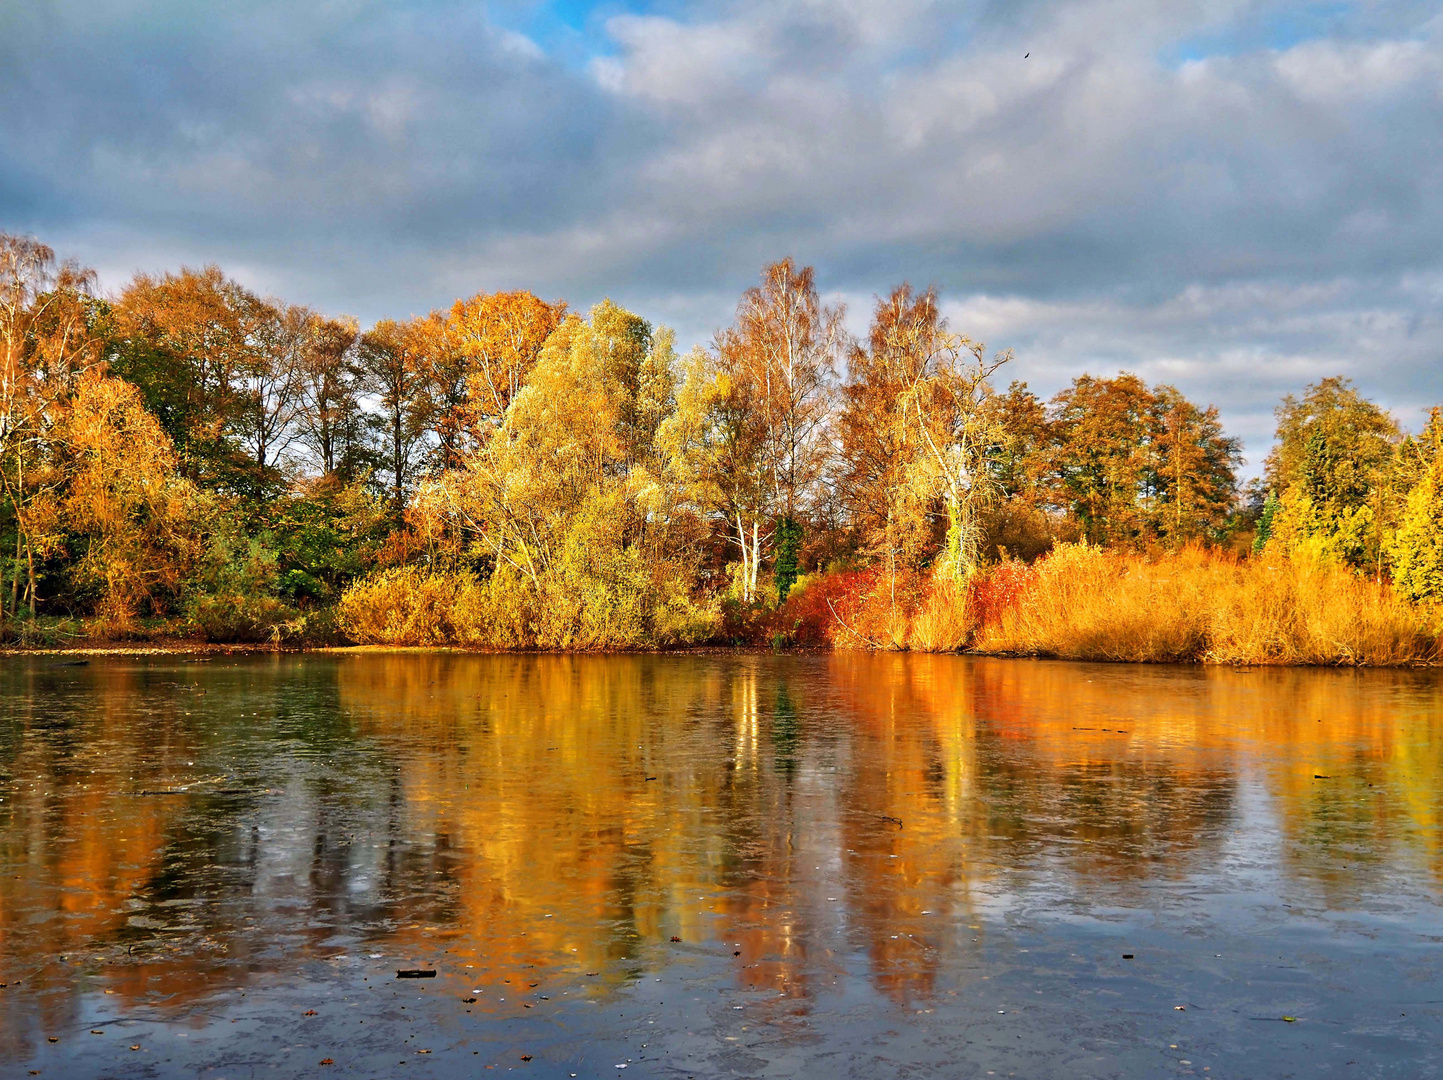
(1416, 551)
(47, 339)
(564, 499)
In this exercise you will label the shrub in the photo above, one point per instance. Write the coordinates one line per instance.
(611, 606)
(1306, 610)
(873, 609)
(407, 605)
(1082, 602)
(239, 618)
(943, 621)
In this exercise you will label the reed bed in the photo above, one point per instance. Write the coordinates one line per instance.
(1078, 603)
(1087, 603)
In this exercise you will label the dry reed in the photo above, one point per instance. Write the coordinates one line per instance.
(1086, 603)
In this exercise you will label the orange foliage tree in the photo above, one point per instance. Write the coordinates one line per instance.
(135, 521)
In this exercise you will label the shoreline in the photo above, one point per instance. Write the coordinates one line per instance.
(204, 648)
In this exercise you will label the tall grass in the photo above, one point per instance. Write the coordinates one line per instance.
(1087, 603)
(1078, 602)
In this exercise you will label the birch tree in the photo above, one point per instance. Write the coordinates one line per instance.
(47, 341)
(916, 434)
(780, 356)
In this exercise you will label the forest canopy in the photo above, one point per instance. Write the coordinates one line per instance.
(186, 458)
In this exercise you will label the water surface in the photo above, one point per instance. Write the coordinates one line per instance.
(839, 866)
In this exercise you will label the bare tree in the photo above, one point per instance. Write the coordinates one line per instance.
(393, 373)
(328, 384)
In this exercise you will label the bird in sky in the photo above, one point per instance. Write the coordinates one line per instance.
(1026, 55)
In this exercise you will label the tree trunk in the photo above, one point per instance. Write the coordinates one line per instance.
(746, 572)
(756, 558)
(396, 453)
(15, 580)
(34, 599)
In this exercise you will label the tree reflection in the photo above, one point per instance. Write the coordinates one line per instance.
(563, 815)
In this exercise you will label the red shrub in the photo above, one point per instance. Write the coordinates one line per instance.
(998, 590)
(809, 617)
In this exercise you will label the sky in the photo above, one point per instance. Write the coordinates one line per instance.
(1236, 198)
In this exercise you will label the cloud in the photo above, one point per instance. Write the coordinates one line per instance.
(1238, 196)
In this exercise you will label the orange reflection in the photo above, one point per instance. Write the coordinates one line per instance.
(543, 817)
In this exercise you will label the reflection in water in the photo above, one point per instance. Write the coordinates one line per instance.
(170, 829)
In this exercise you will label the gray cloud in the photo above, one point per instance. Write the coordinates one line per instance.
(1236, 197)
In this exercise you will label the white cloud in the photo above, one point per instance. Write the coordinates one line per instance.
(668, 63)
(520, 45)
(1332, 73)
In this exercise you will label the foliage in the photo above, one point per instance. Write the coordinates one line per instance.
(192, 457)
(413, 606)
(1332, 460)
(406, 605)
(323, 536)
(1416, 551)
(917, 431)
(1266, 517)
(132, 524)
(1135, 464)
(788, 542)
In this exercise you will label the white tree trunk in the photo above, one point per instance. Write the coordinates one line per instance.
(756, 558)
(746, 569)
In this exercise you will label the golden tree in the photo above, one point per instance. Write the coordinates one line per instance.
(715, 444)
(1332, 462)
(562, 498)
(497, 338)
(194, 342)
(134, 519)
(47, 341)
(1416, 550)
(1194, 473)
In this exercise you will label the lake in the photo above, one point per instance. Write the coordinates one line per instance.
(717, 866)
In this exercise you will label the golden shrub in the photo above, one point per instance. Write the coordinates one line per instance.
(407, 605)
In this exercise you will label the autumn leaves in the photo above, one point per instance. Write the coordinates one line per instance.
(189, 457)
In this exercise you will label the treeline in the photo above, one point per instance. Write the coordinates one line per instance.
(187, 457)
